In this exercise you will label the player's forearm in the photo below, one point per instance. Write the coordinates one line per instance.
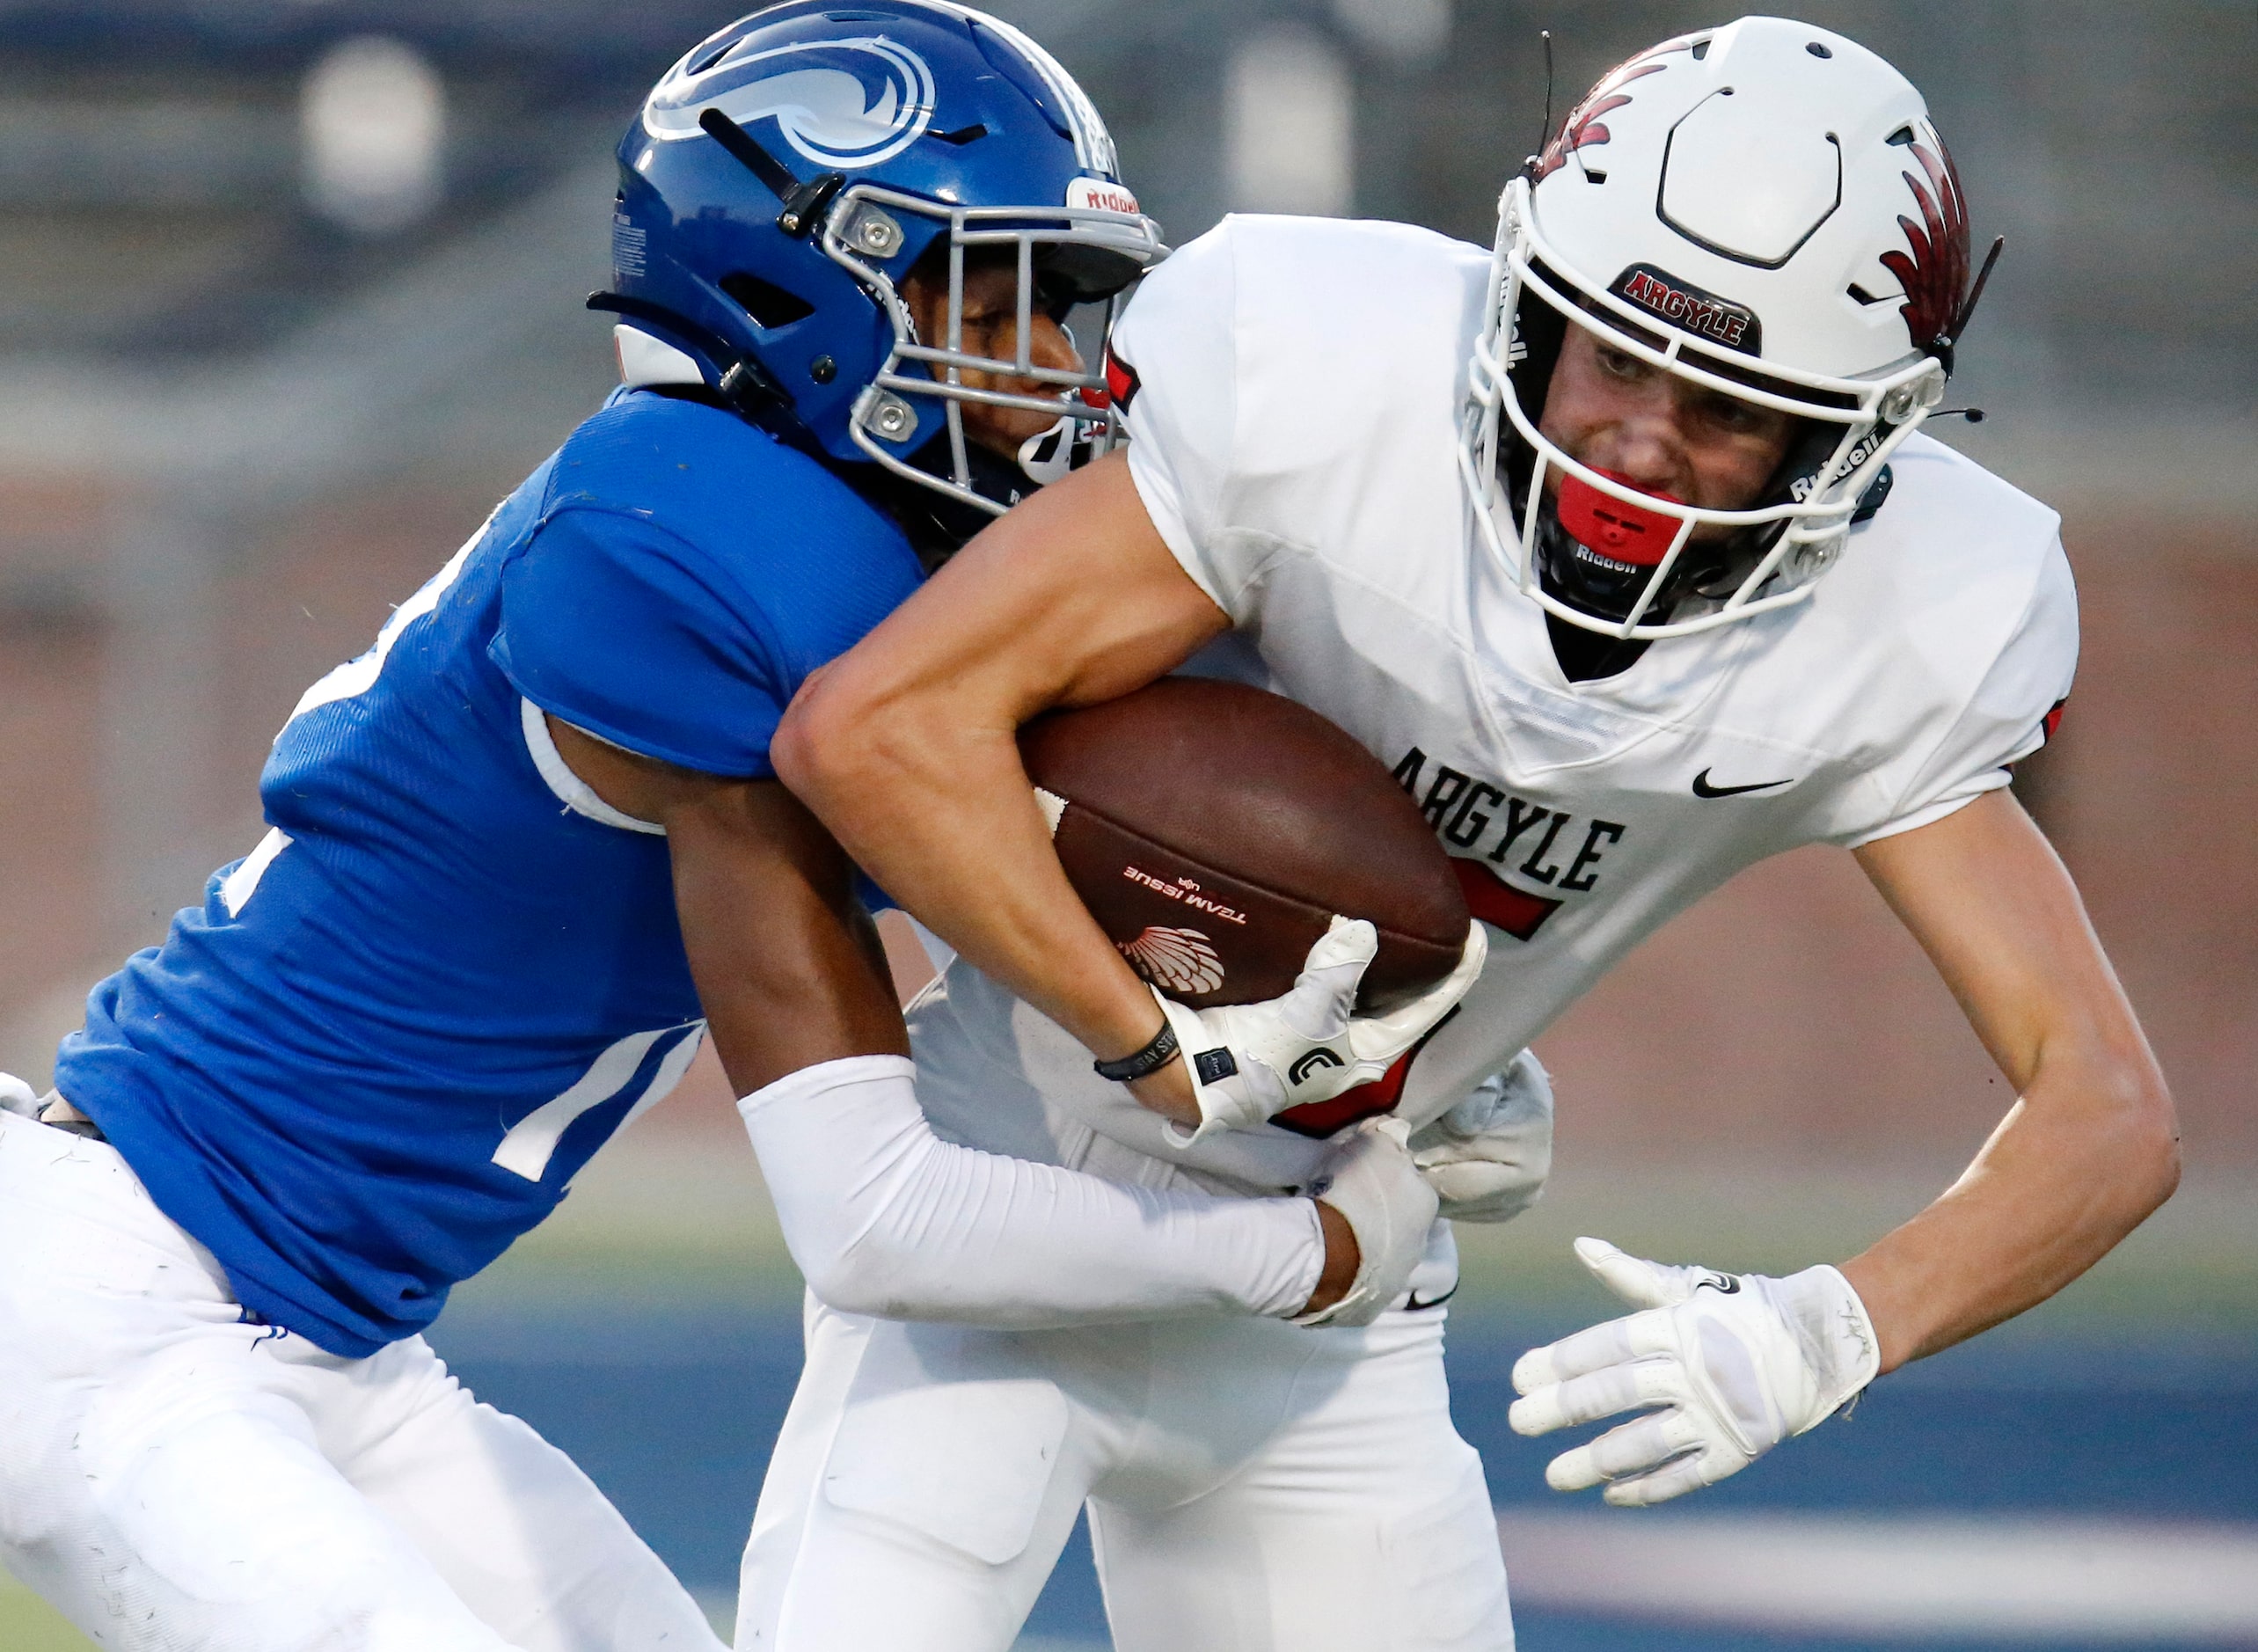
(2090, 1149)
(937, 809)
(885, 1219)
(906, 745)
(2079, 1163)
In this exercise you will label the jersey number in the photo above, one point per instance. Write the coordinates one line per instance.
(533, 1139)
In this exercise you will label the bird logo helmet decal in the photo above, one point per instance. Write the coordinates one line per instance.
(1582, 128)
(1933, 270)
(851, 103)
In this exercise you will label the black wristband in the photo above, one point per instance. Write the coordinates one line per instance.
(1145, 1062)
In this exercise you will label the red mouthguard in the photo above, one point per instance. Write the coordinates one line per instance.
(1615, 528)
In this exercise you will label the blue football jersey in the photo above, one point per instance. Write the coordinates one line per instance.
(383, 1044)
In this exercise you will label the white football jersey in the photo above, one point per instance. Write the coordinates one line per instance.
(1294, 388)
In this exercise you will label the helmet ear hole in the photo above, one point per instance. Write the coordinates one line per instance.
(769, 305)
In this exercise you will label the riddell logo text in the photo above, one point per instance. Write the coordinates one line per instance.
(1690, 308)
(1102, 194)
(1803, 487)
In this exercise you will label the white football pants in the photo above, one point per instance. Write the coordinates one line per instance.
(1252, 1486)
(175, 1481)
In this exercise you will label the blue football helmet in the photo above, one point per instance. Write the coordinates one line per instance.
(787, 174)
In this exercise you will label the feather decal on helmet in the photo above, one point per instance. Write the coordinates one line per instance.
(1582, 129)
(1934, 273)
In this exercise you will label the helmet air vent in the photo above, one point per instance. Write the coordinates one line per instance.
(769, 305)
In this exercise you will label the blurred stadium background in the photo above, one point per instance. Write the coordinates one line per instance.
(289, 294)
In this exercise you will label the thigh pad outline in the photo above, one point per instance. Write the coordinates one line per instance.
(939, 1435)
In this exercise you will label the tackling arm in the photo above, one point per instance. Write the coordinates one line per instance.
(907, 746)
(2091, 1145)
(881, 1216)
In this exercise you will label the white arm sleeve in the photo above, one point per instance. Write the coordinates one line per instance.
(884, 1217)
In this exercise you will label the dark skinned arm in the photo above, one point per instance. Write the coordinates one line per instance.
(788, 967)
(907, 746)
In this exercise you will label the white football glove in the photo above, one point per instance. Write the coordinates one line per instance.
(1487, 1157)
(16, 1096)
(1389, 1207)
(1248, 1061)
(1735, 1363)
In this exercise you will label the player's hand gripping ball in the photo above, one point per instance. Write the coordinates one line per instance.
(1218, 834)
(1726, 1366)
(1249, 1062)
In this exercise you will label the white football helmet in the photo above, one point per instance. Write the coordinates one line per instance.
(1764, 209)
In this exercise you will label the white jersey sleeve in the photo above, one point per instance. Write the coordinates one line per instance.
(1179, 345)
(1281, 417)
(2007, 714)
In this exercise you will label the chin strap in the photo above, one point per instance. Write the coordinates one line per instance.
(1876, 494)
(938, 525)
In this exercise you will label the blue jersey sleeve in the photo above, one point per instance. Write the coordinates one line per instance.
(619, 627)
(686, 575)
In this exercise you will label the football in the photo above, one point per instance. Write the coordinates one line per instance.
(1213, 830)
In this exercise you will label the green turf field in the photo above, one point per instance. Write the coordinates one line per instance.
(28, 1623)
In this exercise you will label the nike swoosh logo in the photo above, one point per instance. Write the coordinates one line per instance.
(1702, 788)
(1417, 1304)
